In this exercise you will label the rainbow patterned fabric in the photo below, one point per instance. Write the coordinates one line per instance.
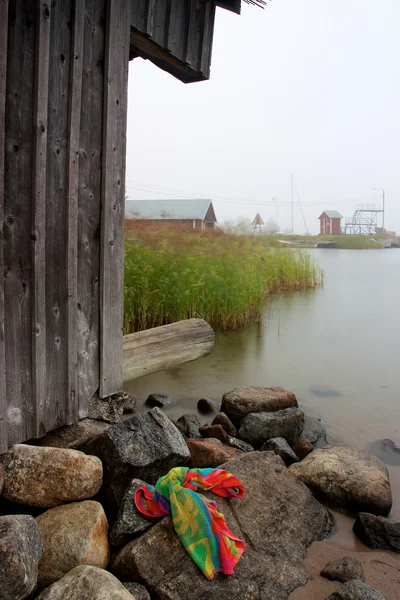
(200, 527)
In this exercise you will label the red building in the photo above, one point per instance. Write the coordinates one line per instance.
(330, 222)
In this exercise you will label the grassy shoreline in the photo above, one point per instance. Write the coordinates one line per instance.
(225, 279)
(343, 242)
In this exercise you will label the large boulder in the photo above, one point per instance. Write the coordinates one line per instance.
(20, 553)
(356, 590)
(73, 534)
(210, 453)
(129, 521)
(259, 427)
(378, 532)
(240, 402)
(145, 447)
(344, 569)
(46, 477)
(346, 478)
(74, 436)
(278, 517)
(281, 448)
(87, 583)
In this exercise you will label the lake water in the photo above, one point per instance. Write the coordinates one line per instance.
(336, 347)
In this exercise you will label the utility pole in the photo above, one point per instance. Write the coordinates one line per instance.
(292, 204)
(383, 207)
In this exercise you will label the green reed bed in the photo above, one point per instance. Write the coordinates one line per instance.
(223, 279)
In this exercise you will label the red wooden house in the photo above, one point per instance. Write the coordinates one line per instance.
(330, 222)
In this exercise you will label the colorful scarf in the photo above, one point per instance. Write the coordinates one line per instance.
(200, 527)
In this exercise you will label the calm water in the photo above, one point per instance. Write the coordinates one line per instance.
(336, 347)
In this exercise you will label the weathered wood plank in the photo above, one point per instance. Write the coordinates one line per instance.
(56, 214)
(139, 14)
(166, 347)
(17, 218)
(113, 195)
(179, 16)
(207, 39)
(90, 165)
(40, 127)
(74, 121)
(150, 17)
(3, 71)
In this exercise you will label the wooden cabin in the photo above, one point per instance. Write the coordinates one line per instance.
(63, 109)
(193, 215)
(330, 222)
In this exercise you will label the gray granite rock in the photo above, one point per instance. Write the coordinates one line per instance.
(313, 430)
(189, 426)
(259, 427)
(277, 534)
(240, 402)
(346, 478)
(20, 552)
(74, 436)
(378, 533)
(137, 590)
(130, 522)
(160, 400)
(281, 448)
(356, 590)
(111, 409)
(144, 447)
(344, 569)
(238, 444)
(87, 583)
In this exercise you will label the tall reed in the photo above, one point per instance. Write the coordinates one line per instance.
(172, 275)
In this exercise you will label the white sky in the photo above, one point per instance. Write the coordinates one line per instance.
(309, 87)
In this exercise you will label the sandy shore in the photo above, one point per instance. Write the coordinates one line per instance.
(382, 571)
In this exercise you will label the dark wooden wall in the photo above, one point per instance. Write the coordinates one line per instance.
(63, 103)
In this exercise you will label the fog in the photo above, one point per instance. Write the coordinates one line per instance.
(305, 87)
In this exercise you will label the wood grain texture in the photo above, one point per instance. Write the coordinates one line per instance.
(38, 236)
(3, 71)
(74, 122)
(90, 165)
(113, 195)
(166, 347)
(17, 218)
(56, 214)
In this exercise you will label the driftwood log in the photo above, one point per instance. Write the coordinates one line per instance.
(165, 347)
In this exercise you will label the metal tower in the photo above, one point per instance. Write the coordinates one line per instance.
(365, 219)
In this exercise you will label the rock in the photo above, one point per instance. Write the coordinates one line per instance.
(47, 477)
(238, 444)
(87, 583)
(73, 534)
(111, 409)
(138, 591)
(213, 431)
(281, 448)
(189, 425)
(240, 402)
(205, 405)
(313, 430)
(222, 419)
(388, 451)
(144, 447)
(210, 453)
(257, 428)
(1, 478)
(346, 478)
(73, 436)
(356, 590)
(278, 518)
(20, 553)
(129, 520)
(344, 569)
(378, 532)
(302, 449)
(130, 403)
(161, 400)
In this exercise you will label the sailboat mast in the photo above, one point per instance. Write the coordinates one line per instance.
(292, 204)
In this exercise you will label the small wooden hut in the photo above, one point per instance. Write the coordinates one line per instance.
(63, 108)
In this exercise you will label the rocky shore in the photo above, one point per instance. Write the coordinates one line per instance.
(69, 527)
